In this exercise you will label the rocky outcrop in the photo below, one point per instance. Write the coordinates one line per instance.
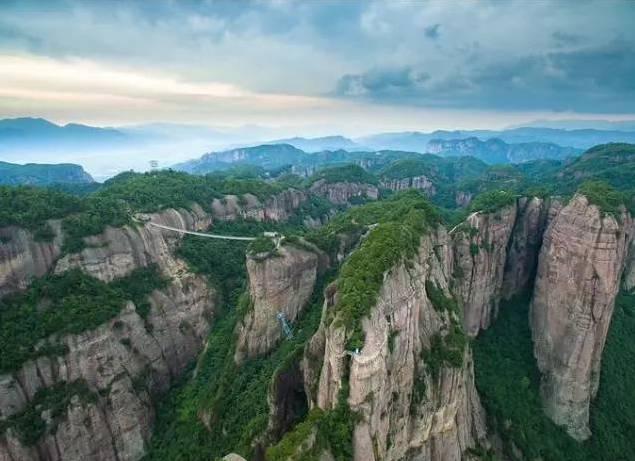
(276, 208)
(463, 198)
(124, 363)
(533, 216)
(629, 271)
(340, 193)
(280, 283)
(119, 250)
(416, 182)
(23, 258)
(404, 407)
(479, 255)
(579, 270)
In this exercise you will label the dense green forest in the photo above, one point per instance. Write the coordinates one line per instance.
(217, 407)
(234, 395)
(70, 302)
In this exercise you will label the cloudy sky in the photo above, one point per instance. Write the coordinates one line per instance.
(333, 65)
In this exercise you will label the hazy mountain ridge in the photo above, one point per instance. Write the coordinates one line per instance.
(43, 174)
(495, 150)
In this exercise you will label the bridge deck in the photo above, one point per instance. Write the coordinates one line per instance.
(201, 234)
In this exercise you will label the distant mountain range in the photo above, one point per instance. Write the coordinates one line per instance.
(498, 151)
(321, 144)
(107, 151)
(21, 131)
(276, 156)
(418, 142)
(38, 174)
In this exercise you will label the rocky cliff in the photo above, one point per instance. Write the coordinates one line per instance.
(578, 277)
(280, 283)
(22, 257)
(416, 182)
(340, 193)
(479, 255)
(533, 216)
(122, 363)
(409, 399)
(108, 376)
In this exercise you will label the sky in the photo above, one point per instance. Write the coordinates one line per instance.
(324, 66)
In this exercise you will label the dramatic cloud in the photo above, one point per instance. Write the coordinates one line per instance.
(204, 60)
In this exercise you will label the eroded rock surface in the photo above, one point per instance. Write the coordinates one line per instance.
(22, 258)
(416, 182)
(405, 409)
(340, 193)
(280, 283)
(579, 270)
(124, 362)
(479, 255)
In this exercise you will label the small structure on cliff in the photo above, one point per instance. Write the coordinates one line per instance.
(284, 324)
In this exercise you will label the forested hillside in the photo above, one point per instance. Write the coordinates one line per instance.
(380, 300)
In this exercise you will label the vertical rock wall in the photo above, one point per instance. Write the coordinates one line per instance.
(578, 277)
(404, 410)
(283, 283)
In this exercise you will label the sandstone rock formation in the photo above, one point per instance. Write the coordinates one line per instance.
(340, 193)
(479, 255)
(579, 270)
(124, 362)
(533, 216)
(405, 409)
(279, 283)
(416, 182)
(22, 258)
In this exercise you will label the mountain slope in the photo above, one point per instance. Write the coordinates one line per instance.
(498, 151)
(42, 174)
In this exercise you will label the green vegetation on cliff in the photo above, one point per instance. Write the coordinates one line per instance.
(399, 223)
(492, 201)
(603, 195)
(68, 303)
(345, 173)
(31, 207)
(233, 398)
(51, 401)
(507, 379)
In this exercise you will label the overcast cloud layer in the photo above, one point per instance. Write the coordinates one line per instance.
(284, 62)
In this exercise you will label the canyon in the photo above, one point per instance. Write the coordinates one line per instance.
(408, 388)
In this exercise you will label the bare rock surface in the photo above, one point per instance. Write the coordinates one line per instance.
(404, 410)
(340, 193)
(22, 258)
(416, 182)
(579, 270)
(280, 283)
(479, 256)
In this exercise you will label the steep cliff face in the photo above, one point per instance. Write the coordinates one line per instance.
(409, 402)
(479, 254)
(629, 270)
(340, 193)
(417, 182)
(119, 250)
(122, 363)
(278, 284)
(22, 257)
(579, 270)
(276, 208)
(533, 216)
